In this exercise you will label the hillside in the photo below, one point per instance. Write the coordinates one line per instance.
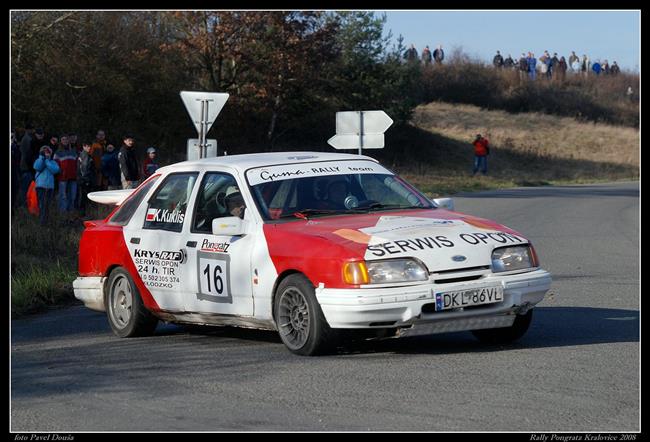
(434, 151)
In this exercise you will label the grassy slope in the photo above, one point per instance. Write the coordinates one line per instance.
(527, 149)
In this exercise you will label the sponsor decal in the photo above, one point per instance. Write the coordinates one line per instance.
(410, 245)
(165, 216)
(159, 269)
(285, 172)
(214, 247)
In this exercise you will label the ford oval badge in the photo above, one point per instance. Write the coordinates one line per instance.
(458, 258)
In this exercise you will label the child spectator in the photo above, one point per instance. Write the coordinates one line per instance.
(481, 151)
(150, 164)
(45, 168)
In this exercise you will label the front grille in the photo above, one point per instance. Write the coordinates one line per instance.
(461, 279)
(463, 270)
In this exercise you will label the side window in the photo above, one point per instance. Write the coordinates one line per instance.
(168, 206)
(123, 215)
(219, 196)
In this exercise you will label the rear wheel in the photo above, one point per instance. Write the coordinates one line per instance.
(299, 318)
(127, 315)
(506, 335)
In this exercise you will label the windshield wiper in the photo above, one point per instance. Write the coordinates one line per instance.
(304, 213)
(380, 206)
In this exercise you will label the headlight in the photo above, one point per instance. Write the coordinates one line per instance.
(384, 272)
(507, 259)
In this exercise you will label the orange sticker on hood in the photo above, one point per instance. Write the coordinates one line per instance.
(480, 223)
(353, 235)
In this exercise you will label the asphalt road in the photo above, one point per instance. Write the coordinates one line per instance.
(577, 369)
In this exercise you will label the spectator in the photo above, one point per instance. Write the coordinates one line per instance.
(497, 61)
(523, 67)
(45, 168)
(26, 164)
(573, 58)
(615, 70)
(508, 63)
(129, 167)
(532, 62)
(596, 68)
(553, 65)
(86, 175)
(439, 55)
(481, 151)
(54, 143)
(38, 140)
(96, 152)
(111, 168)
(561, 69)
(150, 164)
(605, 67)
(576, 65)
(426, 56)
(543, 67)
(15, 170)
(74, 143)
(411, 54)
(66, 158)
(586, 65)
(630, 93)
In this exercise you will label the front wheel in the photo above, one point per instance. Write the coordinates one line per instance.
(506, 335)
(299, 318)
(127, 315)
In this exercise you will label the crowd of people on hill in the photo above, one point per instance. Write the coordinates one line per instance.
(546, 66)
(554, 67)
(70, 168)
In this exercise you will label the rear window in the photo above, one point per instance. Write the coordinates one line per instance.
(123, 215)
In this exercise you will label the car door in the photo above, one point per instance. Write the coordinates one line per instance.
(221, 264)
(155, 239)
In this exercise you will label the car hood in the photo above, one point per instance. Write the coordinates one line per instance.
(441, 239)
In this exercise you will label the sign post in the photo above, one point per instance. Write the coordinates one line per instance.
(360, 129)
(203, 108)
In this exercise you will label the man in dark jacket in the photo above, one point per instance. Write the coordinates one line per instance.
(508, 63)
(439, 55)
(497, 61)
(129, 165)
(86, 176)
(111, 168)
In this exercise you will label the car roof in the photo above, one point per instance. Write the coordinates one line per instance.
(247, 161)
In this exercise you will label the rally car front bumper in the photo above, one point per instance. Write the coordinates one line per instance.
(402, 307)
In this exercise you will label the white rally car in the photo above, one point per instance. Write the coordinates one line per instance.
(307, 244)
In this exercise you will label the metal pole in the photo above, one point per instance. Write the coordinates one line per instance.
(201, 130)
(360, 132)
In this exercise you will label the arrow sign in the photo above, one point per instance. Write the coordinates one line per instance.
(374, 122)
(194, 104)
(360, 129)
(370, 141)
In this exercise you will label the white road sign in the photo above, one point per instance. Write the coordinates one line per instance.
(194, 103)
(360, 129)
(374, 122)
(370, 141)
(193, 149)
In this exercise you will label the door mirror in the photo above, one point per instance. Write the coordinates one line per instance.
(229, 226)
(444, 203)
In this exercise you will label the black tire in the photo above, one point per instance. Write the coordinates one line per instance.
(127, 315)
(302, 326)
(506, 335)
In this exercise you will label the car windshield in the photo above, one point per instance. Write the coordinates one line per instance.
(327, 188)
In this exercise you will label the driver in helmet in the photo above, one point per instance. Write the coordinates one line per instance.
(235, 202)
(337, 192)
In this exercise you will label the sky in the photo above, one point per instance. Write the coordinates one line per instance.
(604, 35)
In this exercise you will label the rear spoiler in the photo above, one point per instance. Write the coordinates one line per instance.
(113, 197)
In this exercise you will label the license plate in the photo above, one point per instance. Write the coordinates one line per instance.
(468, 298)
